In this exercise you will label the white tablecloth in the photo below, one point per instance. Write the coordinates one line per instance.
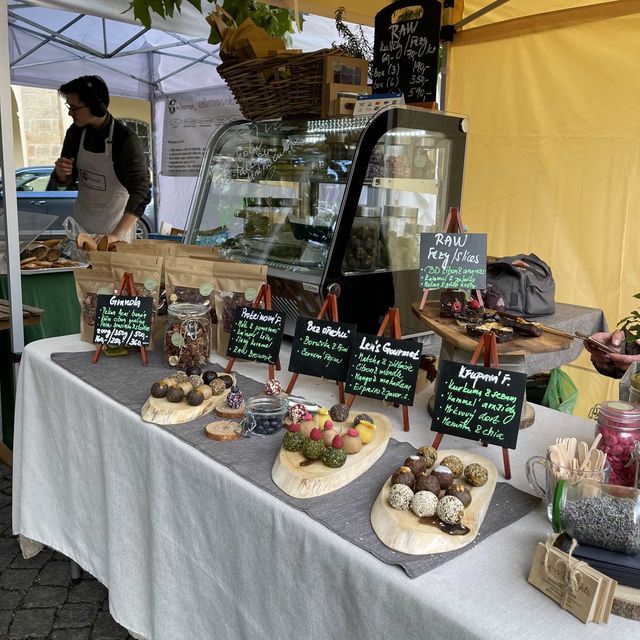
(190, 551)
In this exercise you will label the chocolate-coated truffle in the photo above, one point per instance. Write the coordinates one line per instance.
(175, 394)
(403, 475)
(417, 464)
(209, 376)
(195, 398)
(193, 371)
(427, 482)
(450, 510)
(339, 412)
(444, 476)
(461, 492)
(228, 381)
(159, 390)
(455, 464)
(476, 475)
(400, 497)
(424, 504)
(429, 454)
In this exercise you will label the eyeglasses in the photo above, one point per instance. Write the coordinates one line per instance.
(72, 109)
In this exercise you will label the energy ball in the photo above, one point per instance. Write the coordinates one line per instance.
(400, 497)
(217, 386)
(339, 412)
(297, 412)
(416, 464)
(455, 464)
(424, 504)
(450, 510)
(429, 454)
(461, 492)
(403, 475)
(444, 476)
(476, 475)
(360, 417)
(425, 482)
(273, 387)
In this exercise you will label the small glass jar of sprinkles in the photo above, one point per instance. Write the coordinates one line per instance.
(619, 425)
(601, 515)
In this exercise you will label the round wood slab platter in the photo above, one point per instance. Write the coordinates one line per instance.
(402, 530)
(317, 479)
(161, 411)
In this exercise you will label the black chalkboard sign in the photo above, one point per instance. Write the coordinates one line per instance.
(256, 335)
(384, 368)
(479, 403)
(405, 54)
(322, 348)
(453, 260)
(123, 321)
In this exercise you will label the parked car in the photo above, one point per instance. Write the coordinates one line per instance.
(33, 197)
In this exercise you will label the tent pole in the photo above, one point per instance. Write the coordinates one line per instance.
(154, 150)
(11, 232)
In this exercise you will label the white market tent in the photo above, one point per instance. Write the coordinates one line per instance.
(52, 41)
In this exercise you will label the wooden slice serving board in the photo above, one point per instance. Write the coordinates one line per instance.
(402, 530)
(317, 479)
(161, 411)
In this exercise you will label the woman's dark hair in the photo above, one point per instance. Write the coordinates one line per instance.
(92, 90)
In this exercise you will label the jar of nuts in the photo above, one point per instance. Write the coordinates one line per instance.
(363, 248)
(187, 339)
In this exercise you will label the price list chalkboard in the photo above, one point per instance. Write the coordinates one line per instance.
(405, 55)
(479, 403)
(322, 348)
(256, 335)
(384, 368)
(123, 321)
(453, 260)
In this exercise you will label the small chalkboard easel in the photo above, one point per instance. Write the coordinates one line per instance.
(392, 318)
(264, 296)
(329, 309)
(452, 224)
(126, 287)
(488, 347)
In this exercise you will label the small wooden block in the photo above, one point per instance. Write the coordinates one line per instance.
(224, 430)
(223, 410)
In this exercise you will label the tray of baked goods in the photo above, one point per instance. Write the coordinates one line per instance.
(514, 334)
(324, 452)
(434, 502)
(46, 256)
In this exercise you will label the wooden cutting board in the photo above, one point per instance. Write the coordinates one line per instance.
(450, 331)
(402, 530)
(317, 479)
(161, 411)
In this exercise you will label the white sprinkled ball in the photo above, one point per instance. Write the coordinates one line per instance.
(450, 510)
(424, 504)
(400, 497)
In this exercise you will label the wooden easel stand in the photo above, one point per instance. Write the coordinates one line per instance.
(393, 317)
(452, 224)
(126, 287)
(330, 310)
(488, 347)
(263, 295)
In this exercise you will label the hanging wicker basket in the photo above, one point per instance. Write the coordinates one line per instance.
(282, 85)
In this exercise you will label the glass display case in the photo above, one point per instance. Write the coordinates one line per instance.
(337, 201)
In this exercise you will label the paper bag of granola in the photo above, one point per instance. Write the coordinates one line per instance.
(90, 283)
(237, 284)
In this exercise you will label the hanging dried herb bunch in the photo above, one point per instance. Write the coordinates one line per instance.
(353, 42)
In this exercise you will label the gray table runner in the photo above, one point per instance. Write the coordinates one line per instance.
(346, 511)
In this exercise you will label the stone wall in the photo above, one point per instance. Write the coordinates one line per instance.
(42, 128)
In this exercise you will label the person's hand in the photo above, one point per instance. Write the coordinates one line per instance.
(64, 167)
(604, 361)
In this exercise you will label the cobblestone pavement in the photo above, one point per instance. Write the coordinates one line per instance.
(37, 597)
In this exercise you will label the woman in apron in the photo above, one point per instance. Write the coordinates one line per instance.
(107, 160)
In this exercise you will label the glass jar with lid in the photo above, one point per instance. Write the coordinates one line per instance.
(424, 165)
(401, 238)
(397, 154)
(619, 427)
(363, 248)
(598, 514)
(187, 338)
